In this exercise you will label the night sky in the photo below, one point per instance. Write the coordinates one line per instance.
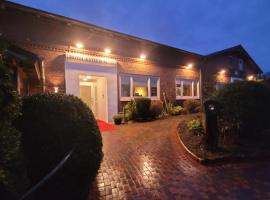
(200, 26)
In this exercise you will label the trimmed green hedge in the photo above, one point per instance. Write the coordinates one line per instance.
(245, 108)
(142, 112)
(52, 124)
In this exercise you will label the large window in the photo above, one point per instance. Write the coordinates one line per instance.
(187, 89)
(125, 86)
(138, 86)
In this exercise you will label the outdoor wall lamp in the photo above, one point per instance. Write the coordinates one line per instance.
(189, 66)
(250, 77)
(56, 89)
(223, 71)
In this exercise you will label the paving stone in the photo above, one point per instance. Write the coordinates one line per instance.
(144, 161)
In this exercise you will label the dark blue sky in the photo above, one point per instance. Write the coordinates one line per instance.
(201, 26)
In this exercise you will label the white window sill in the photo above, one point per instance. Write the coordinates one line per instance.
(130, 98)
(186, 97)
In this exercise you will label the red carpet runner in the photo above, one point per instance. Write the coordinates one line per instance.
(104, 126)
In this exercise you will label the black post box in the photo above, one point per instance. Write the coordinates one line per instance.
(211, 109)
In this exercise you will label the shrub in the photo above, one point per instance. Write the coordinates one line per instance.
(195, 125)
(175, 110)
(192, 106)
(244, 108)
(52, 124)
(142, 108)
(118, 119)
(156, 109)
(12, 175)
(130, 109)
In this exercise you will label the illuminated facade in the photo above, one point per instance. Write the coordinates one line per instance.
(107, 69)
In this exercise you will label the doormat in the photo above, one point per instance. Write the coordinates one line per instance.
(104, 126)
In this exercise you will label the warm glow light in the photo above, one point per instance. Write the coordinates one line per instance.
(189, 66)
(140, 91)
(222, 71)
(107, 51)
(79, 45)
(142, 56)
(56, 89)
(250, 78)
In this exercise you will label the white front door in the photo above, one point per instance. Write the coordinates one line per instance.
(88, 94)
(93, 92)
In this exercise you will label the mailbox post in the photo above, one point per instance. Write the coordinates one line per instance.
(211, 125)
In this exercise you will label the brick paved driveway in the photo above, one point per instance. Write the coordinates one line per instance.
(145, 161)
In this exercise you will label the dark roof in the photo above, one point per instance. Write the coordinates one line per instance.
(238, 48)
(88, 25)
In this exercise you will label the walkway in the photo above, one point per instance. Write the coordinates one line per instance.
(145, 161)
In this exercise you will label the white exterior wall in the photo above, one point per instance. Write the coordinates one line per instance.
(72, 72)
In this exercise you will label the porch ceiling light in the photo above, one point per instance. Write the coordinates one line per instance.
(142, 56)
(107, 50)
(79, 45)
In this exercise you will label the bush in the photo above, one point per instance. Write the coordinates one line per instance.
(130, 109)
(175, 110)
(244, 108)
(12, 175)
(192, 106)
(156, 109)
(52, 124)
(142, 109)
(195, 125)
(118, 119)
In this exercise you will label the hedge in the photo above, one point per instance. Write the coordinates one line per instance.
(51, 125)
(244, 108)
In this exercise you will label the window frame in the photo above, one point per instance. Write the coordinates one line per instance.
(131, 96)
(195, 83)
(233, 79)
(240, 64)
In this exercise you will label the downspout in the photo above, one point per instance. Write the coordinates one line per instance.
(43, 74)
(201, 80)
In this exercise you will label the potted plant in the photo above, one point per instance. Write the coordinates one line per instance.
(118, 119)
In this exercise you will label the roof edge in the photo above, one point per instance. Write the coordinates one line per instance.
(85, 24)
(239, 46)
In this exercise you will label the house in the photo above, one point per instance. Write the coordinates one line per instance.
(106, 68)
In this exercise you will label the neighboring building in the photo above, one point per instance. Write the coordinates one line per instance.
(106, 68)
(227, 66)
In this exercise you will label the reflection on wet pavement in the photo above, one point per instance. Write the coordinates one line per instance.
(145, 161)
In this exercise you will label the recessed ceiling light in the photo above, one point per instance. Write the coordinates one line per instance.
(79, 45)
(107, 50)
(142, 56)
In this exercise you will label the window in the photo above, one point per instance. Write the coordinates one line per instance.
(125, 86)
(236, 79)
(241, 65)
(138, 86)
(187, 89)
(154, 86)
